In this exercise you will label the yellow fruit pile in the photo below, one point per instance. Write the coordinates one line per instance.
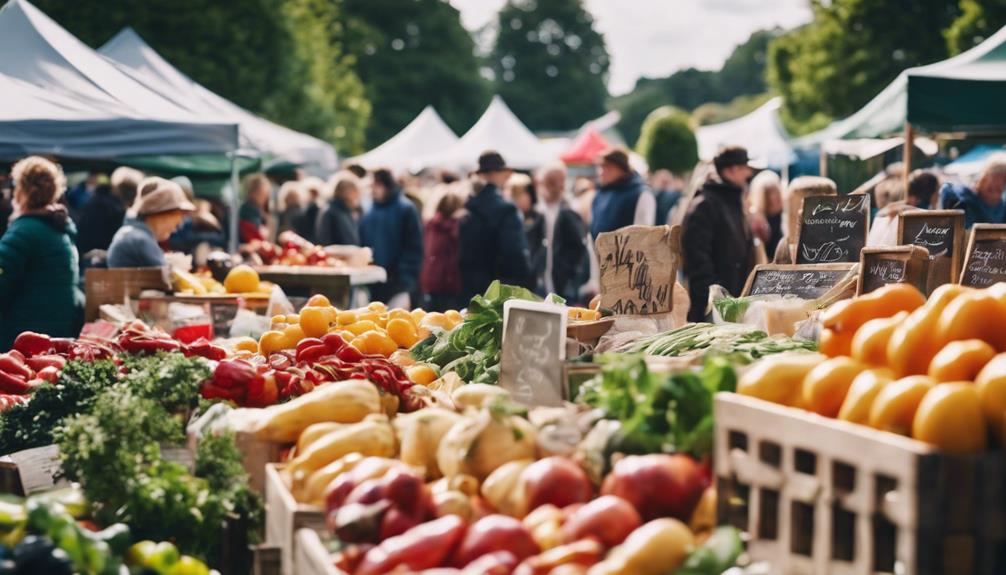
(373, 329)
(933, 370)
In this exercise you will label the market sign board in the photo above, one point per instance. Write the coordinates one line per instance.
(808, 281)
(532, 354)
(833, 229)
(941, 232)
(893, 265)
(985, 263)
(638, 267)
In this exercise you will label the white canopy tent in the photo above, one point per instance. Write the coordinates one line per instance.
(64, 99)
(133, 56)
(413, 147)
(498, 129)
(761, 132)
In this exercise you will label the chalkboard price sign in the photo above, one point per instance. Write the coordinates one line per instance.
(942, 233)
(833, 229)
(638, 267)
(985, 263)
(532, 354)
(902, 264)
(809, 281)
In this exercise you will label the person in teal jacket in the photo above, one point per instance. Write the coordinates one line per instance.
(39, 285)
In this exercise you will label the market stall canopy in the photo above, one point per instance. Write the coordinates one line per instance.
(586, 148)
(971, 163)
(413, 147)
(131, 54)
(498, 129)
(761, 132)
(63, 98)
(961, 94)
(866, 148)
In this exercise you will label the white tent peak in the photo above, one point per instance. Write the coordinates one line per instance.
(133, 56)
(498, 129)
(761, 132)
(427, 134)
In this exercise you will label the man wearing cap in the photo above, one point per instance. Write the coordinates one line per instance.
(717, 240)
(493, 245)
(623, 199)
(160, 209)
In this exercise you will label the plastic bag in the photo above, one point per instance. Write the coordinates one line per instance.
(247, 323)
(279, 304)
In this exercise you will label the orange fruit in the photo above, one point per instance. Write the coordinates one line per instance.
(422, 374)
(373, 316)
(315, 321)
(359, 327)
(403, 332)
(825, 386)
(292, 336)
(318, 300)
(246, 344)
(895, 406)
(417, 315)
(377, 306)
(951, 418)
(271, 341)
(864, 389)
(375, 342)
(346, 317)
(960, 360)
(436, 320)
(399, 313)
(241, 279)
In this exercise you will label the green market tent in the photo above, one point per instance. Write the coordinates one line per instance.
(965, 93)
(132, 55)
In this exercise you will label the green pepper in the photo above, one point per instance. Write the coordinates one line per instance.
(716, 555)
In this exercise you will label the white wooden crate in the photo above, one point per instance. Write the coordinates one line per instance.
(311, 557)
(284, 516)
(822, 496)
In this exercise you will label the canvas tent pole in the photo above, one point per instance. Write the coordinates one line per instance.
(232, 221)
(823, 162)
(907, 154)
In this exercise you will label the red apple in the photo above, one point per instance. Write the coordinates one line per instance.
(556, 480)
(495, 533)
(608, 519)
(657, 485)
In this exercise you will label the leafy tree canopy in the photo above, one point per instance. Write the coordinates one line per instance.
(549, 63)
(667, 140)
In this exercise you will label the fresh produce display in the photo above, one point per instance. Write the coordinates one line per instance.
(930, 369)
(292, 250)
(472, 348)
(702, 338)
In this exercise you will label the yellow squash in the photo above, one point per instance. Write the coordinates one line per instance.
(950, 417)
(974, 315)
(960, 360)
(656, 548)
(991, 387)
(779, 378)
(912, 345)
(894, 407)
(862, 393)
(825, 386)
(869, 345)
(341, 402)
(372, 436)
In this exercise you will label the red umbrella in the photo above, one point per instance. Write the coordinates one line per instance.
(586, 148)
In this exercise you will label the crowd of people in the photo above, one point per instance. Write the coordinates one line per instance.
(440, 242)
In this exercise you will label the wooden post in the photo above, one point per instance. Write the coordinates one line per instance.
(907, 154)
(823, 162)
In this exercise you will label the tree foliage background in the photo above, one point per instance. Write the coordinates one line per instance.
(410, 54)
(282, 59)
(667, 140)
(550, 65)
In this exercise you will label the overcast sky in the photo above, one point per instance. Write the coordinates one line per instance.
(654, 38)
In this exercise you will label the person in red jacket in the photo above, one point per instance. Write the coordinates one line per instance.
(441, 277)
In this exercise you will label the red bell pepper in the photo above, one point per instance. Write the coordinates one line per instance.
(14, 366)
(203, 348)
(30, 343)
(49, 374)
(262, 391)
(423, 547)
(10, 383)
(40, 362)
(210, 390)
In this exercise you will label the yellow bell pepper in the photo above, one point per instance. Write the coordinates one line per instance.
(960, 360)
(826, 385)
(950, 417)
(912, 345)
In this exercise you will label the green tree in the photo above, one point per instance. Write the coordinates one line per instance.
(979, 19)
(743, 74)
(550, 65)
(667, 141)
(413, 54)
(278, 58)
(850, 51)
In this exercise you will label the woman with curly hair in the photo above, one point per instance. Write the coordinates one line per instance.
(39, 285)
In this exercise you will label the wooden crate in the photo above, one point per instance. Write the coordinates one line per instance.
(255, 455)
(111, 286)
(284, 516)
(30, 470)
(267, 560)
(821, 496)
(311, 557)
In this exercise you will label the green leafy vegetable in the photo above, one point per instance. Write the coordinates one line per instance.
(472, 348)
(658, 412)
(732, 309)
(731, 339)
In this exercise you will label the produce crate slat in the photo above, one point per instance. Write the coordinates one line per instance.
(823, 496)
(285, 516)
(311, 557)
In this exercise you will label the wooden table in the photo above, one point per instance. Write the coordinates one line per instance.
(334, 283)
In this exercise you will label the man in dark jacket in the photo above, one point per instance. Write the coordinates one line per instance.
(717, 239)
(392, 230)
(623, 199)
(337, 224)
(565, 237)
(103, 213)
(493, 245)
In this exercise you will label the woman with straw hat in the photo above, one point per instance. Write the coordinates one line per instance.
(160, 209)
